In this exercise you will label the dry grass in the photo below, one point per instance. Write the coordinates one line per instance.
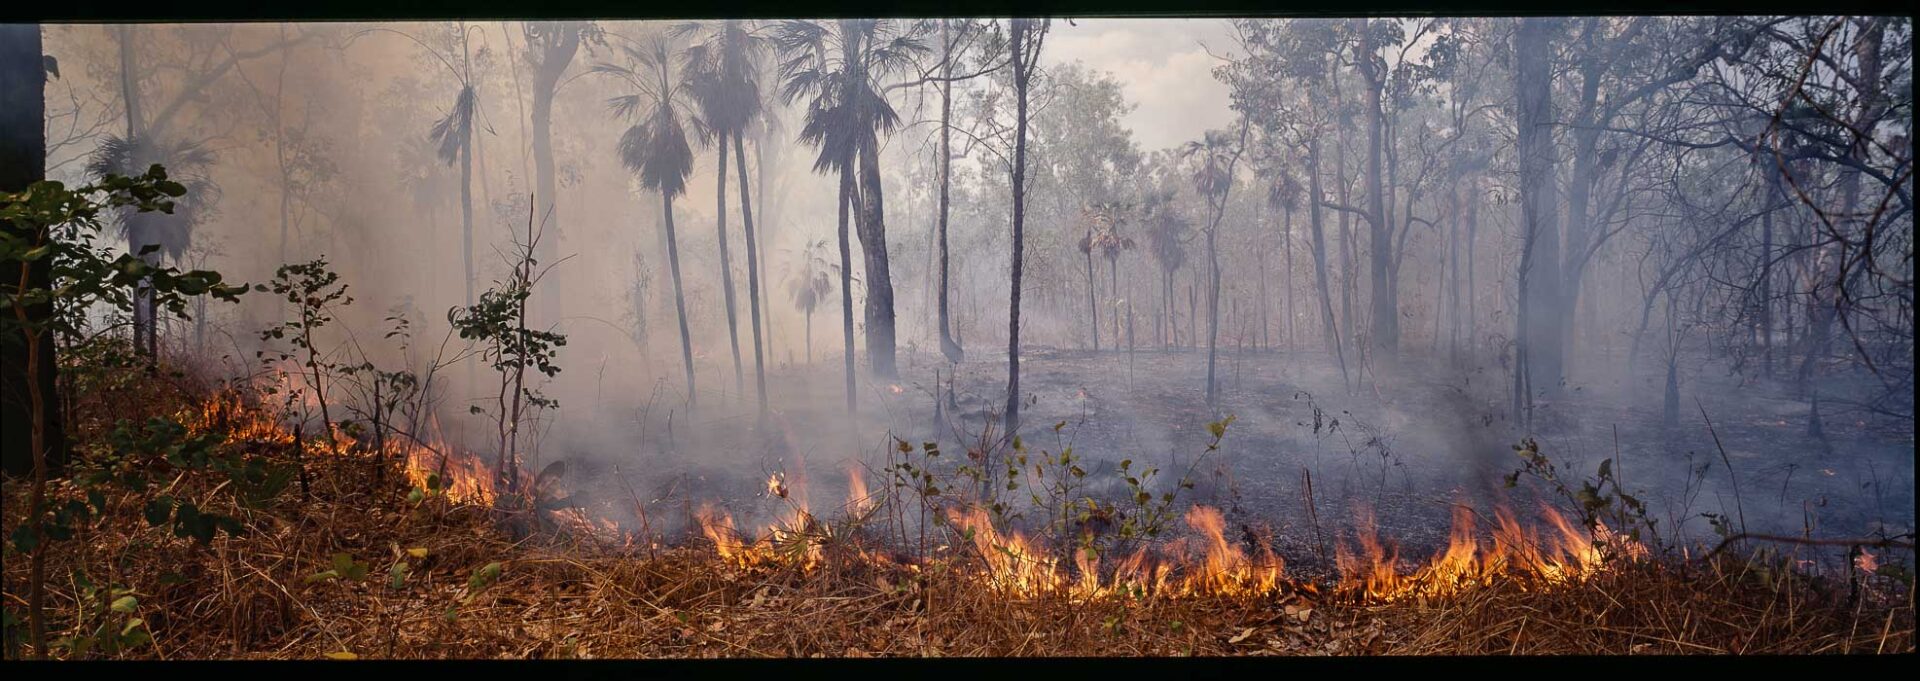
(574, 595)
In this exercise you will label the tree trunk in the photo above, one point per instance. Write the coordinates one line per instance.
(846, 277)
(1020, 83)
(1291, 314)
(1539, 327)
(949, 345)
(466, 214)
(1766, 280)
(1386, 315)
(1093, 309)
(1317, 235)
(753, 275)
(23, 161)
(546, 79)
(679, 298)
(873, 246)
(1113, 296)
(726, 261)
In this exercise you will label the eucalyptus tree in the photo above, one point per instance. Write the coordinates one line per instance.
(1025, 38)
(1537, 356)
(959, 38)
(551, 47)
(837, 69)
(723, 76)
(660, 109)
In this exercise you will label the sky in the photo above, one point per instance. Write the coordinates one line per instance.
(1162, 67)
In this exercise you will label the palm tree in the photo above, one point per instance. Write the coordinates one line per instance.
(1108, 240)
(153, 235)
(1218, 156)
(723, 77)
(811, 285)
(655, 146)
(1166, 237)
(1284, 192)
(1102, 222)
(453, 137)
(837, 68)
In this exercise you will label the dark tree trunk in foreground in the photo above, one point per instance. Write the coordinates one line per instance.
(33, 437)
(23, 161)
(1021, 78)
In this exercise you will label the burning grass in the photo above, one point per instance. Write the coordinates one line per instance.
(440, 575)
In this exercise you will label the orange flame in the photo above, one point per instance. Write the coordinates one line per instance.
(1560, 555)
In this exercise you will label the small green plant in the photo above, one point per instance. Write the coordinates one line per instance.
(498, 324)
(1598, 499)
(104, 620)
(313, 290)
(56, 275)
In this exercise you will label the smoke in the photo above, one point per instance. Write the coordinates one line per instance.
(325, 140)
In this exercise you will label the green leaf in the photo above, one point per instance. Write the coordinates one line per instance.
(484, 577)
(159, 510)
(125, 604)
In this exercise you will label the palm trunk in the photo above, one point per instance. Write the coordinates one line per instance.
(466, 214)
(726, 263)
(679, 298)
(1093, 309)
(753, 276)
(873, 248)
(846, 278)
(1113, 296)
